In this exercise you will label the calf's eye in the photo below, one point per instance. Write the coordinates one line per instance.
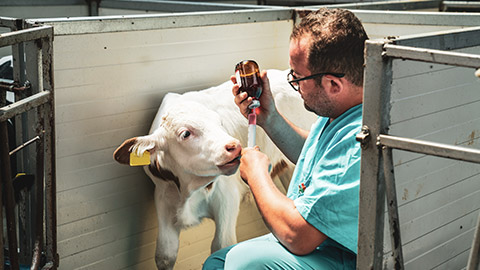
(185, 134)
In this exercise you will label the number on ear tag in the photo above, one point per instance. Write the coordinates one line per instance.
(139, 160)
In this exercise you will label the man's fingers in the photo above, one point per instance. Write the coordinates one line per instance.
(235, 89)
(243, 101)
(240, 98)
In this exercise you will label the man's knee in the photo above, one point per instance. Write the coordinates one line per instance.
(216, 260)
(255, 255)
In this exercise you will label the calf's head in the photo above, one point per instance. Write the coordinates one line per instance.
(189, 143)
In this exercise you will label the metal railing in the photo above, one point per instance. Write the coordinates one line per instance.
(377, 174)
(34, 104)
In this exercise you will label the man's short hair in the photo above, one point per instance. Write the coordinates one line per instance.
(337, 42)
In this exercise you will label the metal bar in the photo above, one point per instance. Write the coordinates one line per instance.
(2, 189)
(13, 86)
(38, 67)
(49, 265)
(389, 5)
(12, 38)
(461, 4)
(392, 206)
(50, 161)
(25, 104)
(39, 197)
(107, 24)
(93, 6)
(19, 75)
(175, 6)
(372, 191)
(433, 56)
(447, 39)
(23, 145)
(418, 18)
(50, 187)
(473, 259)
(9, 197)
(12, 23)
(430, 148)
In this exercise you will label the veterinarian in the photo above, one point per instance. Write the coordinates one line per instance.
(315, 225)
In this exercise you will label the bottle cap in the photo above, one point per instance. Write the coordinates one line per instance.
(255, 104)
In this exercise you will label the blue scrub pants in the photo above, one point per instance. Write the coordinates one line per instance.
(265, 252)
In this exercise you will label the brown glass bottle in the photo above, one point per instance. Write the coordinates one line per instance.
(248, 78)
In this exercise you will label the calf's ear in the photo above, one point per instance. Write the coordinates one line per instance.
(138, 145)
(122, 154)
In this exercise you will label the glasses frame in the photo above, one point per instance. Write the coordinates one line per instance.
(296, 80)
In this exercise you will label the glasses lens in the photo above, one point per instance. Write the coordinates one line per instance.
(290, 78)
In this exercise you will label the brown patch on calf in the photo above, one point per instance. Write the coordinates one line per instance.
(122, 154)
(278, 168)
(209, 186)
(163, 174)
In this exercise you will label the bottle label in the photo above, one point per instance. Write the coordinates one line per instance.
(239, 81)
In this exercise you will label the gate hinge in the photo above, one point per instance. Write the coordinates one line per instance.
(363, 136)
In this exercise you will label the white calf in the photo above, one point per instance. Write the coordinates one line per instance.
(195, 143)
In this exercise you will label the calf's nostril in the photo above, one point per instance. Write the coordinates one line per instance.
(232, 147)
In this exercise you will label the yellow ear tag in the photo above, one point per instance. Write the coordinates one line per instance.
(139, 160)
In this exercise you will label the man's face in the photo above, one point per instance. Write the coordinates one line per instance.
(314, 96)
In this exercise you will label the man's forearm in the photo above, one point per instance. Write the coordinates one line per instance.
(286, 136)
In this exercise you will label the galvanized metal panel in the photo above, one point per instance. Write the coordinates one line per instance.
(445, 40)
(410, 5)
(438, 199)
(379, 30)
(413, 18)
(443, 254)
(70, 26)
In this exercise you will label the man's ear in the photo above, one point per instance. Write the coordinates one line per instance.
(333, 84)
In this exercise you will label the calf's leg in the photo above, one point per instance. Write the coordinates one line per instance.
(168, 232)
(225, 206)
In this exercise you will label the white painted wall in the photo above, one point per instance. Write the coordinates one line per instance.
(108, 88)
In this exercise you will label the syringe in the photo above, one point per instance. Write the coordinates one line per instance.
(252, 126)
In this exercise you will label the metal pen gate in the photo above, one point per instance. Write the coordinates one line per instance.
(33, 106)
(377, 175)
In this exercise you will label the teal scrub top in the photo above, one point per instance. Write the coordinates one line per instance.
(325, 183)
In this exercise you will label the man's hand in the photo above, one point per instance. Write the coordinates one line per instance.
(252, 164)
(267, 103)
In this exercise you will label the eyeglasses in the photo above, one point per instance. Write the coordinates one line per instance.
(293, 80)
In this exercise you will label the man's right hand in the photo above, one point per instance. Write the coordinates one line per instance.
(267, 103)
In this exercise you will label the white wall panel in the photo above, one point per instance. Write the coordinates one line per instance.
(108, 88)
